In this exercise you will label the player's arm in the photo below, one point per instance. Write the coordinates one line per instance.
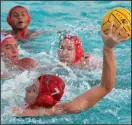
(92, 96)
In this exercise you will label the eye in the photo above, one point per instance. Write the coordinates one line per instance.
(8, 47)
(34, 89)
(23, 14)
(15, 15)
(61, 47)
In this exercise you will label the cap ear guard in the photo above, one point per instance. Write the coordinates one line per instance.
(50, 91)
(57, 97)
(9, 20)
(46, 101)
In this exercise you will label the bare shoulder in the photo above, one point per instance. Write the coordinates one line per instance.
(27, 60)
(32, 34)
(27, 63)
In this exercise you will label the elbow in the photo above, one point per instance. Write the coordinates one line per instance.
(77, 111)
(70, 109)
(108, 88)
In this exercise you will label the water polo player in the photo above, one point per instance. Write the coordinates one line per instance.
(19, 18)
(71, 53)
(10, 53)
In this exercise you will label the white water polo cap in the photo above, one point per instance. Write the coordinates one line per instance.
(4, 37)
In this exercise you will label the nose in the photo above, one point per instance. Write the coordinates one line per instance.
(64, 52)
(14, 50)
(19, 16)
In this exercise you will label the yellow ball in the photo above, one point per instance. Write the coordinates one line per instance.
(118, 16)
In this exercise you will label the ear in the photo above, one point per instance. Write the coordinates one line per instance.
(9, 20)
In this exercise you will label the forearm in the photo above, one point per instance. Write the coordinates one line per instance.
(108, 73)
(85, 100)
(39, 111)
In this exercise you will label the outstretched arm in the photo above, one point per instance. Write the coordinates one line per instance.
(92, 96)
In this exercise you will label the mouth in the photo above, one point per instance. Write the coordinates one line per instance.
(14, 57)
(20, 22)
(64, 58)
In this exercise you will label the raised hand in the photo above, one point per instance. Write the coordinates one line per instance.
(112, 39)
(85, 59)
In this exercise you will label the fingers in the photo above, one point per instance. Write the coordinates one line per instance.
(119, 29)
(85, 59)
(123, 37)
(110, 28)
(111, 39)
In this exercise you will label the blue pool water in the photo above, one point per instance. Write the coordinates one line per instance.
(84, 19)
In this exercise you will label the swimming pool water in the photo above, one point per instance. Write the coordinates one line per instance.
(82, 18)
